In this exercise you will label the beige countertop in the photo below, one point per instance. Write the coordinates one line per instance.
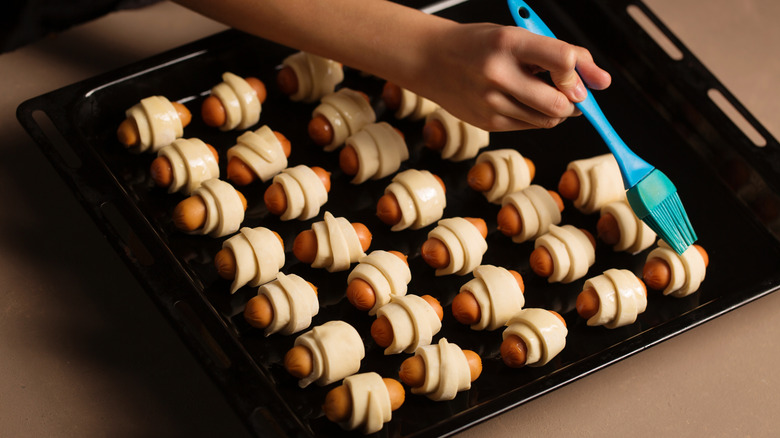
(84, 352)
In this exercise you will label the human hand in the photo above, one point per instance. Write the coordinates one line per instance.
(491, 76)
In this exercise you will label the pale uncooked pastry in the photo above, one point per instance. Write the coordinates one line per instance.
(498, 295)
(224, 209)
(294, 302)
(380, 149)
(543, 333)
(386, 273)
(261, 151)
(304, 190)
(447, 371)
(371, 406)
(192, 162)
(347, 111)
(413, 106)
(511, 173)
(464, 243)
(463, 140)
(420, 197)
(621, 298)
(242, 106)
(338, 245)
(687, 269)
(571, 251)
(635, 235)
(259, 256)
(157, 121)
(317, 76)
(414, 323)
(537, 209)
(600, 182)
(336, 350)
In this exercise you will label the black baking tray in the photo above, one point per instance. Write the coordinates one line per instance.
(660, 106)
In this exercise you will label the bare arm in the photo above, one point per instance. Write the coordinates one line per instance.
(482, 73)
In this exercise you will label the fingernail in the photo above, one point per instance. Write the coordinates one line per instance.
(580, 93)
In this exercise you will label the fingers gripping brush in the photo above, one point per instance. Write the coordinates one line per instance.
(651, 194)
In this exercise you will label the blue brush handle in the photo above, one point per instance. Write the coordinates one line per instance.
(632, 168)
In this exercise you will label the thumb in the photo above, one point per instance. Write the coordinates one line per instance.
(570, 84)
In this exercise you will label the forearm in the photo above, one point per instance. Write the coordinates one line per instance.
(375, 36)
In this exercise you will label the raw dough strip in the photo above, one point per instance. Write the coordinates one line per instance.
(386, 273)
(294, 302)
(305, 192)
(347, 111)
(317, 76)
(498, 294)
(242, 106)
(338, 245)
(191, 162)
(261, 151)
(463, 140)
(600, 182)
(224, 209)
(537, 210)
(420, 197)
(414, 323)
(336, 350)
(371, 407)
(157, 121)
(511, 173)
(635, 235)
(414, 106)
(259, 256)
(542, 332)
(464, 243)
(621, 298)
(687, 270)
(571, 252)
(380, 150)
(446, 371)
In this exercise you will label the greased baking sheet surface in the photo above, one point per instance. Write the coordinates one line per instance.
(92, 110)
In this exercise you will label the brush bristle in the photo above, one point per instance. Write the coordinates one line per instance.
(670, 222)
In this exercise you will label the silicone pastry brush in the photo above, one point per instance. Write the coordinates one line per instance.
(652, 196)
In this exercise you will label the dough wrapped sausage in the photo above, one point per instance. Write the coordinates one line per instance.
(240, 101)
(420, 196)
(192, 162)
(158, 123)
(537, 209)
(511, 171)
(413, 320)
(347, 111)
(338, 244)
(316, 76)
(380, 150)
(336, 350)
(261, 151)
(464, 242)
(571, 251)
(387, 274)
(294, 304)
(447, 371)
(687, 270)
(224, 208)
(259, 256)
(304, 190)
(600, 182)
(462, 140)
(621, 298)
(542, 332)
(635, 235)
(370, 402)
(407, 104)
(498, 294)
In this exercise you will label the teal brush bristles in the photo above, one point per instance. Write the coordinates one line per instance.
(655, 201)
(651, 195)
